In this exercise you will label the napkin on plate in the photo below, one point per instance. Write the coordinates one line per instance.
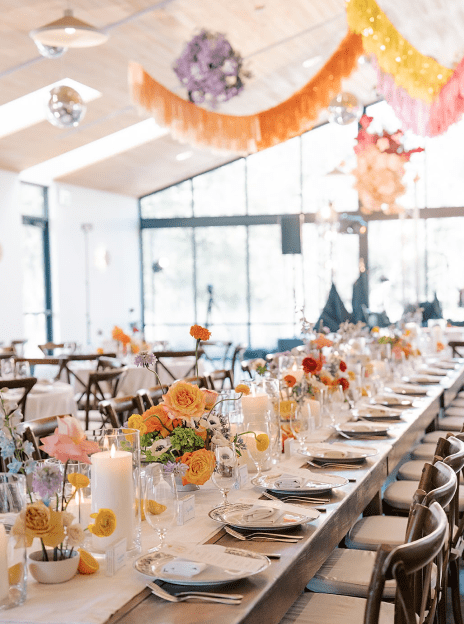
(183, 568)
(258, 513)
(289, 481)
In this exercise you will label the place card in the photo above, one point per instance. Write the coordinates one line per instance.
(115, 556)
(186, 509)
(215, 555)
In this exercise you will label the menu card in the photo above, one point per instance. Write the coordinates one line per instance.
(219, 556)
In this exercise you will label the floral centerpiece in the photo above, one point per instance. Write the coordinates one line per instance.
(178, 432)
(210, 69)
(47, 517)
(16, 452)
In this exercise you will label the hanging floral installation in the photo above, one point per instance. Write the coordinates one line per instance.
(380, 169)
(250, 133)
(210, 69)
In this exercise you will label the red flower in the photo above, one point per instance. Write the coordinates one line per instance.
(309, 365)
(342, 366)
(345, 384)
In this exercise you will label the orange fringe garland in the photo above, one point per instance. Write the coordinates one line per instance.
(250, 133)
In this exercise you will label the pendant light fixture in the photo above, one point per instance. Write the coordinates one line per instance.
(68, 32)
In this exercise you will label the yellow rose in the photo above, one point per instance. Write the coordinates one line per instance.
(184, 400)
(55, 535)
(200, 466)
(78, 480)
(262, 441)
(37, 519)
(105, 523)
(136, 422)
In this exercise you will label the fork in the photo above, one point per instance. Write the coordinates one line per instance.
(205, 596)
(334, 465)
(265, 537)
(304, 499)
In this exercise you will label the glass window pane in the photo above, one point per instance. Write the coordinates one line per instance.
(445, 266)
(32, 200)
(273, 178)
(396, 265)
(32, 258)
(175, 201)
(168, 284)
(220, 192)
(222, 281)
(324, 151)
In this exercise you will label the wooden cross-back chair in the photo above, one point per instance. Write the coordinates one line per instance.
(106, 362)
(95, 389)
(218, 346)
(201, 381)
(49, 348)
(69, 373)
(25, 384)
(148, 397)
(162, 365)
(34, 430)
(117, 411)
(34, 363)
(217, 379)
(457, 347)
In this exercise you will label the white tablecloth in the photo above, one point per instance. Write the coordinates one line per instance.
(47, 399)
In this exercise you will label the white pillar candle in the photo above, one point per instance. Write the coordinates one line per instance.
(255, 407)
(112, 488)
(4, 582)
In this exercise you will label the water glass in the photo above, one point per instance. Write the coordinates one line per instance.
(7, 368)
(225, 471)
(160, 501)
(23, 369)
(254, 450)
(302, 424)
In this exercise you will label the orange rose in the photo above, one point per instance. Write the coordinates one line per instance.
(184, 400)
(321, 341)
(157, 419)
(200, 466)
(290, 380)
(200, 333)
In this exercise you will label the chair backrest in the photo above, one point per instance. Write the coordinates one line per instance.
(146, 398)
(161, 364)
(411, 566)
(217, 379)
(35, 430)
(201, 382)
(438, 483)
(94, 392)
(105, 362)
(25, 384)
(49, 347)
(117, 411)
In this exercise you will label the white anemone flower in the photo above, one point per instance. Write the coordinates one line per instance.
(159, 447)
(213, 422)
(225, 455)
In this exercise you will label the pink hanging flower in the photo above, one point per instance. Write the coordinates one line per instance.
(69, 442)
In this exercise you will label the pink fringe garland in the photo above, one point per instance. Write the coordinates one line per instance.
(422, 118)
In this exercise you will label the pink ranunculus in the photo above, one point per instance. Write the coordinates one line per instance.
(69, 442)
(211, 397)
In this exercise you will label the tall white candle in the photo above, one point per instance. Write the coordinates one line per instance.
(255, 407)
(4, 582)
(112, 488)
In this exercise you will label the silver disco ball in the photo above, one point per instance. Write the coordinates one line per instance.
(66, 108)
(50, 52)
(345, 109)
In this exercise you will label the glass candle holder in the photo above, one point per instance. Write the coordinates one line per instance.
(13, 569)
(115, 484)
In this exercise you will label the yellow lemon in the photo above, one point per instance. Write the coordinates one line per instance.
(15, 573)
(156, 508)
(87, 563)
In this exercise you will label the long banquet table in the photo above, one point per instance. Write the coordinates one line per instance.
(268, 595)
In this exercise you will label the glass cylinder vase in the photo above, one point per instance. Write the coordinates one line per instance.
(115, 484)
(13, 569)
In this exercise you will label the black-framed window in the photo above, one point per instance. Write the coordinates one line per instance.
(35, 259)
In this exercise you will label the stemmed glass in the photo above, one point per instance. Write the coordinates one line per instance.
(159, 501)
(225, 473)
(253, 445)
(302, 424)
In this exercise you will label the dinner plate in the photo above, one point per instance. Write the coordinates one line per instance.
(377, 415)
(392, 400)
(151, 565)
(335, 453)
(422, 379)
(362, 429)
(435, 372)
(408, 389)
(314, 484)
(247, 516)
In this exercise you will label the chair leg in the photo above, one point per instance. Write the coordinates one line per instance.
(455, 593)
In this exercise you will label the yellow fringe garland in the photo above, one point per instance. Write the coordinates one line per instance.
(250, 133)
(420, 75)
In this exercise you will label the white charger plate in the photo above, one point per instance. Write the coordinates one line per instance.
(336, 453)
(408, 389)
(315, 484)
(230, 514)
(422, 379)
(151, 565)
(391, 400)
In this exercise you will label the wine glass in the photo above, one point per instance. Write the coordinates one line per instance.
(225, 473)
(302, 424)
(159, 501)
(254, 443)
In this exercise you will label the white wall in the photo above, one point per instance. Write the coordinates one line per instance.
(112, 291)
(11, 308)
